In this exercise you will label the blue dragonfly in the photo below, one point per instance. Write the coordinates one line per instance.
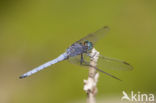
(78, 53)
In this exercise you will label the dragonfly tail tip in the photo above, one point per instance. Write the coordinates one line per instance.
(22, 76)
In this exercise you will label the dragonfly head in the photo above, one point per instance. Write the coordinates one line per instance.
(88, 44)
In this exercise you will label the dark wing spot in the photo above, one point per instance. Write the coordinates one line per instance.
(128, 65)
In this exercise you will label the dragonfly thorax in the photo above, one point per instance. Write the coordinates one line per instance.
(79, 48)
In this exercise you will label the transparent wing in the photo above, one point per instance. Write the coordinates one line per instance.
(77, 60)
(93, 37)
(111, 63)
(103, 62)
(86, 63)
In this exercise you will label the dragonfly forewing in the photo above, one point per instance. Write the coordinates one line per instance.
(94, 37)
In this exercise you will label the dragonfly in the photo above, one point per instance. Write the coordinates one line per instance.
(78, 53)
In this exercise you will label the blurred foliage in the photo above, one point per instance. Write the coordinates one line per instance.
(35, 31)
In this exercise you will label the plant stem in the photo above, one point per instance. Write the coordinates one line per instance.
(90, 84)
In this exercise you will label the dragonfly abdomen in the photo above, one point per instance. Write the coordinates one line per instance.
(58, 59)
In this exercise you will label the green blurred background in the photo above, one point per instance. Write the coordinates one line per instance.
(35, 31)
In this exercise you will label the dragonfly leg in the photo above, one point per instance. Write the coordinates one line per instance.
(82, 59)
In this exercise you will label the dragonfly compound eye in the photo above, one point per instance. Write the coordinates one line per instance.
(88, 44)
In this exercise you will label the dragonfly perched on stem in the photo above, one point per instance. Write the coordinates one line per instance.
(78, 53)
